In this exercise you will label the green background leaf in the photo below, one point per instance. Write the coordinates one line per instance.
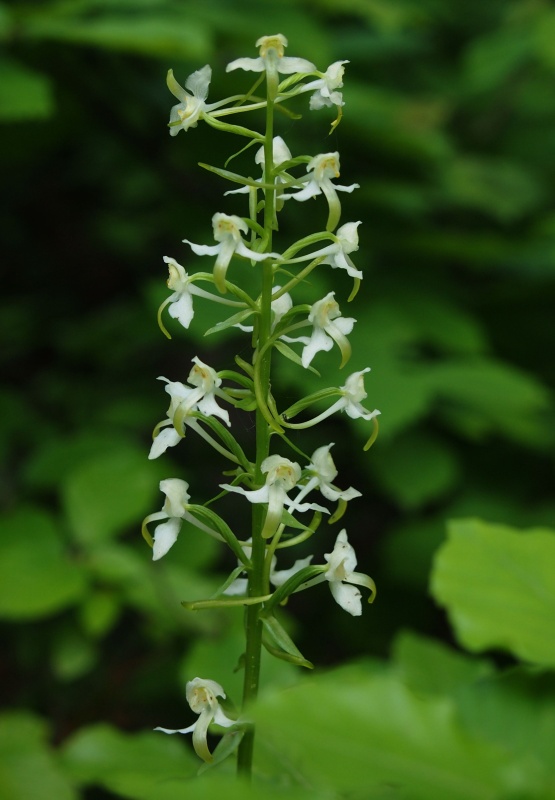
(497, 586)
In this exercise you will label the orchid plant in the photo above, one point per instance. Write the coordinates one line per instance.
(279, 490)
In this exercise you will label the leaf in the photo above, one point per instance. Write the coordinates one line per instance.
(494, 396)
(360, 733)
(497, 586)
(147, 34)
(28, 769)
(427, 665)
(37, 576)
(108, 493)
(498, 188)
(143, 766)
(24, 93)
(416, 468)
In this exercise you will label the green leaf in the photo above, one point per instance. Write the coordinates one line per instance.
(28, 768)
(356, 734)
(143, 766)
(416, 468)
(147, 33)
(499, 188)
(110, 492)
(72, 654)
(493, 395)
(37, 576)
(497, 586)
(427, 665)
(24, 93)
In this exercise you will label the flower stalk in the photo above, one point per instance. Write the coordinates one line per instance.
(279, 489)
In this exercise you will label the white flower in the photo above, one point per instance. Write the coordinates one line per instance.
(328, 327)
(353, 394)
(350, 402)
(323, 472)
(227, 231)
(321, 169)
(345, 242)
(202, 696)
(181, 301)
(282, 475)
(191, 107)
(184, 400)
(174, 510)
(272, 57)
(326, 86)
(341, 576)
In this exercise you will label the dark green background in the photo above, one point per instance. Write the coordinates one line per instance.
(449, 127)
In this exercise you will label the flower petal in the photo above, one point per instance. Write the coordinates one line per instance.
(199, 81)
(165, 536)
(348, 597)
(168, 437)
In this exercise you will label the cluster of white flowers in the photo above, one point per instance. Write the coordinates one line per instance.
(280, 485)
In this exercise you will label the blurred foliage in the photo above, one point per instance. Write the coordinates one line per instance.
(449, 128)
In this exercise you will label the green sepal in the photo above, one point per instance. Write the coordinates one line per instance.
(306, 241)
(374, 435)
(290, 521)
(245, 366)
(238, 129)
(231, 375)
(146, 534)
(234, 177)
(247, 404)
(221, 526)
(278, 642)
(289, 353)
(339, 511)
(230, 321)
(227, 438)
(354, 291)
(234, 155)
(300, 405)
(291, 585)
(227, 583)
(226, 747)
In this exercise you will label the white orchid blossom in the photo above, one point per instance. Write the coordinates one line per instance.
(174, 510)
(328, 327)
(277, 577)
(322, 473)
(272, 58)
(192, 107)
(338, 253)
(184, 400)
(352, 394)
(202, 695)
(326, 87)
(227, 231)
(343, 579)
(181, 301)
(321, 169)
(282, 475)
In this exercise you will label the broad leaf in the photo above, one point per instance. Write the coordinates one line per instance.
(497, 586)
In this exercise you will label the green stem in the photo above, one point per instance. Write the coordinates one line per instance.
(257, 588)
